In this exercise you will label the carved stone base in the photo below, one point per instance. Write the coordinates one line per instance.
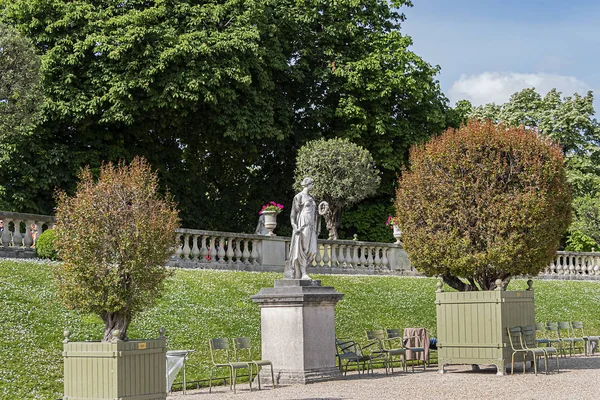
(303, 377)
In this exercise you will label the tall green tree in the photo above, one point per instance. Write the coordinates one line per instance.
(220, 95)
(570, 121)
(19, 101)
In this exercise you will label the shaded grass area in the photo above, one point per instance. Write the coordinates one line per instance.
(202, 304)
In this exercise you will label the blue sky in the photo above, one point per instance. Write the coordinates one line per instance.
(489, 49)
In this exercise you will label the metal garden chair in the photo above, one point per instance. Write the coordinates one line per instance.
(243, 345)
(528, 338)
(408, 342)
(350, 351)
(578, 330)
(517, 345)
(567, 336)
(554, 337)
(219, 354)
(380, 340)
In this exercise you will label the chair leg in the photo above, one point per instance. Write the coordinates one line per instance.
(250, 376)
(258, 375)
(272, 377)
(210, 381)
(233, 373)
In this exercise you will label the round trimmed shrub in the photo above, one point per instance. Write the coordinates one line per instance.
(44, 246)
(483, 202)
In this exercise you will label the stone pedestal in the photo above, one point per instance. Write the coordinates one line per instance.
(298, 330)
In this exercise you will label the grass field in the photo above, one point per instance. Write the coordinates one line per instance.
(201, 304)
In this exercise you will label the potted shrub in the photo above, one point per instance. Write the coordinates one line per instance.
(114, 237)
(480, 205)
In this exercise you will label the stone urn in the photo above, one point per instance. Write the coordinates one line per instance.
(270, 221)
(397, 233)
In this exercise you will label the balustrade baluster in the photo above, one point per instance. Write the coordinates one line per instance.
(6, 235)
(230, 253)
(221, 252)
(369, 258)
(254, 254)
(212, 251)
(334, 259)
(28, 239)
(186, 247)
(326, 255)
(377, 260)
(203, 250)
(571, 269)
(195, 249)
(385, 262)
(238, 251)
(17, 237)
(355, 257)
(179, 250)
(364, 257)
(341, 258)
(595, 265)
(317, 260)
(246, 253)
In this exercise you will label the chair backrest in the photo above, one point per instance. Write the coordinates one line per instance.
(378, 335)
(243, 348)
(564, 329)
(540, 326)
(394, 334)
(514, 338)
(528, 337)
(577, 327)
(219, 346)
(552, 330)
(347, 346)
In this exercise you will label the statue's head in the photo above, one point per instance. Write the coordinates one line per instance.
(307, 182)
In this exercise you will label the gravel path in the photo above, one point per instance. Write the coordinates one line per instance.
(578, 379)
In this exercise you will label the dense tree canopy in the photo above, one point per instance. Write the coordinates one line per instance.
(483, 202)
(219, 96)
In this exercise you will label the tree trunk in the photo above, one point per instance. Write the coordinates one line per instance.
(332, 220)
(458, 284)
(115, 321)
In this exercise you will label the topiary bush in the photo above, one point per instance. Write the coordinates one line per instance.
(483, 202)
(44, 246)
(114, 237)
(344, 174)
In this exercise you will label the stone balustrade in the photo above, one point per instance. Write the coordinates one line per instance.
(238, 251)
(249, 252)
(16, 235)
(573, 265)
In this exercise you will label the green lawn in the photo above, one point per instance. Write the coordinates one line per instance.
(200, 304)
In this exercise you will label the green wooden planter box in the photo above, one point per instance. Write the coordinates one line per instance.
(131, 370)
(471, 326)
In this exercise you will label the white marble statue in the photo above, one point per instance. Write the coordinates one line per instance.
(306, 224)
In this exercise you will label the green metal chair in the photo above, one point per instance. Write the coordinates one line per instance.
(243, 345)
(541, 337)
(406, 343)
(518, 345)
(554, 337)
(219, 355)
(568, 337)
(379, 338)
(578, 330)
(529, 342)
(350, 351)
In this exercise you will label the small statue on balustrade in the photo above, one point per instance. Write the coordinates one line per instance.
(306, 224)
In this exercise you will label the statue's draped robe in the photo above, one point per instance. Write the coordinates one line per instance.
(304, 242)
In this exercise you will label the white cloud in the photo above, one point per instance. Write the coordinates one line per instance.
(497, 87)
